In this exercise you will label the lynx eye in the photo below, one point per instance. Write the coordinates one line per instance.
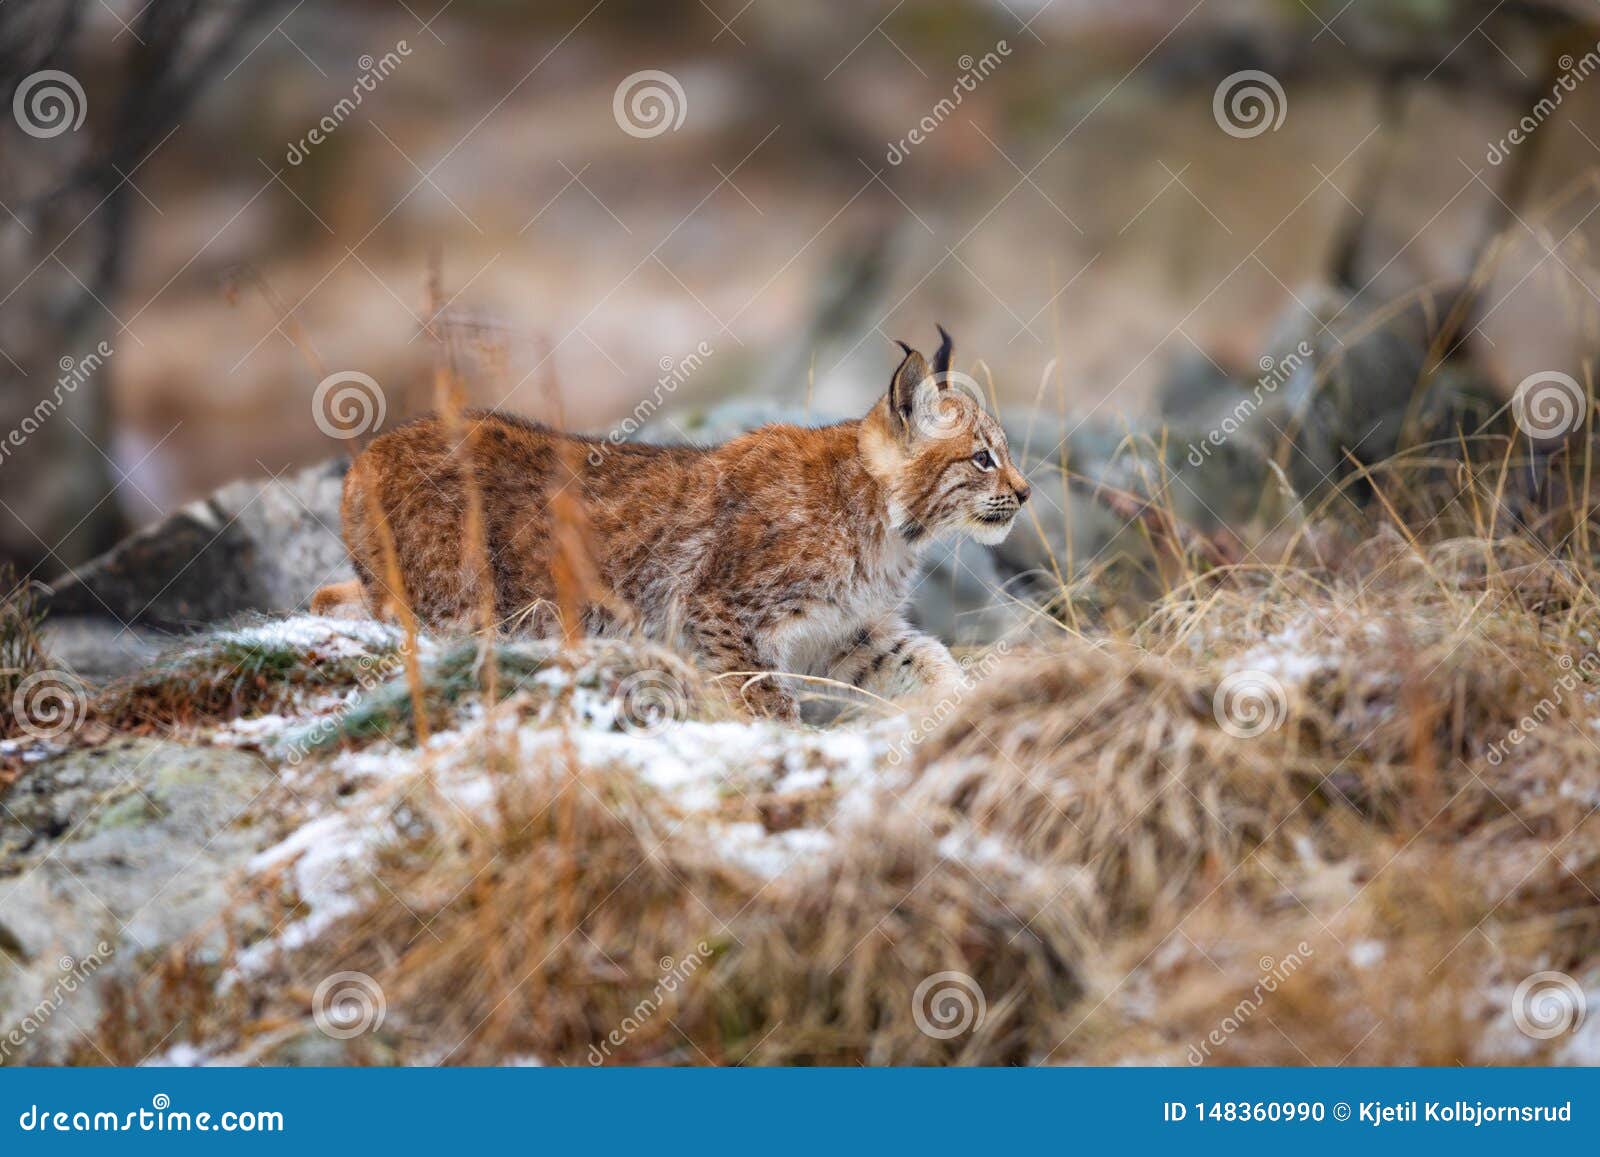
(983, 460)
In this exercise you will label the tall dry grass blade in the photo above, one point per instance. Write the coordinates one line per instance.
(1163, 525)
(449, 395)
(286, 321)
(399, 602)
(22, 651)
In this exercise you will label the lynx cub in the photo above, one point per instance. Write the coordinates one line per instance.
(786, 550)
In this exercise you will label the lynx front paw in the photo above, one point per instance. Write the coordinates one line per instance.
(896, 662)
(932, 670)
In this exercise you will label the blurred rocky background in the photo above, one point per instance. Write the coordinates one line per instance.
(678, 219)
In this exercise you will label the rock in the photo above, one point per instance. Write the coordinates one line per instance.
(729, 419)
(1536, 314)
(252, 546)
(1191, 385)
(1337, 375)
(1428, 220)
(98, 650)
(108, 856)
(960, 596)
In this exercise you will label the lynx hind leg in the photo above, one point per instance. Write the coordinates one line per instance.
(356, 599)
(344, 600)
(766, 697)
(893, 661)
(723, 647)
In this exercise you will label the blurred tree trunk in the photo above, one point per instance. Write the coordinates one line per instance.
(87, 101)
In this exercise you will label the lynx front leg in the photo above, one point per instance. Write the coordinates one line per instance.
(892, 660)
(725, 646)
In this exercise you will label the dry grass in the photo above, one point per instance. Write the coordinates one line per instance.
(464, 675)
(1090, 838)
(1373, 815)
(22, 651)
(231, 675)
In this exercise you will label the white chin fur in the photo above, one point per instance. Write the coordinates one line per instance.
(988, 533)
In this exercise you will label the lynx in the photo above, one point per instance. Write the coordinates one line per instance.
(786, 550)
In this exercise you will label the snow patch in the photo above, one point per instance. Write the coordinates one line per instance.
(1367, 953)
(771, 854)
(182, 1055)
(1298, 653)
(324, 637)
(696, 767)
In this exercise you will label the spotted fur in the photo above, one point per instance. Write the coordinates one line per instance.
(785, 550)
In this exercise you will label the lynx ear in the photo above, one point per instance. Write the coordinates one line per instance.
(941, 358)
(903, 386)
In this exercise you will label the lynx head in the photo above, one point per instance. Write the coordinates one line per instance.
(943, 458)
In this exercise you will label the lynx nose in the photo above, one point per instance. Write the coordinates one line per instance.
(1022, 493)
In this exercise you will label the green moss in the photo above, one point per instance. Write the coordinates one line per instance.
(131, 810)
(233, 675)
(387, 711)
(455, 678)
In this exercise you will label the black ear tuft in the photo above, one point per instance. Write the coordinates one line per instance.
(903, 346)
(941, 358)
(903, 386)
